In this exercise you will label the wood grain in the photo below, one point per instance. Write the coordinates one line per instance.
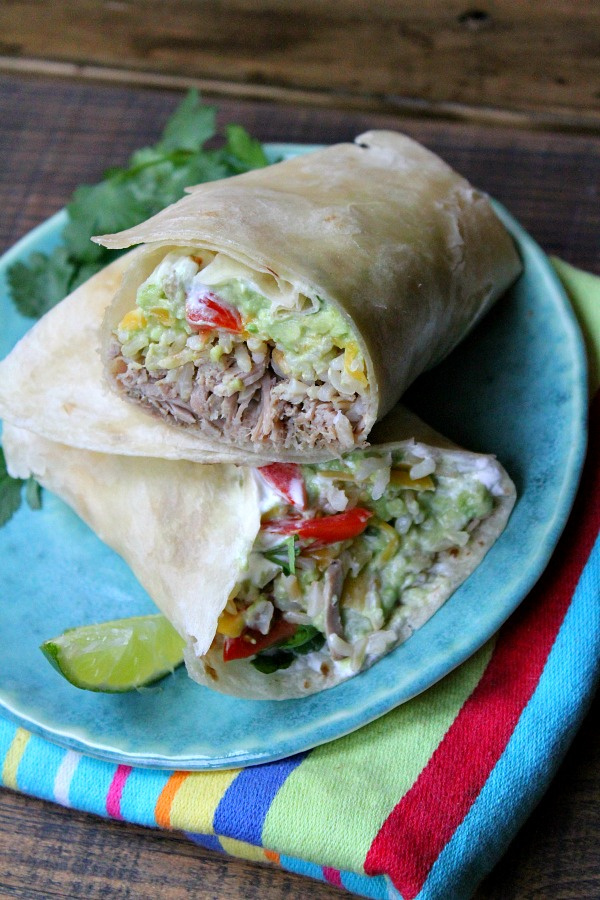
(537, 61)
(55, 135)
(47, 851)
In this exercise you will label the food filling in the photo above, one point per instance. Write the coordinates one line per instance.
(217, 346)
(348, 551)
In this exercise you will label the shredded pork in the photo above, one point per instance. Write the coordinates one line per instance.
(244, 397)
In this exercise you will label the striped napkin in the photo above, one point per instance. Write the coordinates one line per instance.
(432, 793)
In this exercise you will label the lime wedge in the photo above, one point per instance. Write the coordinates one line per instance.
(116, 656)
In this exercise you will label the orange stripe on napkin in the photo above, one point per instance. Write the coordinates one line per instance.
(162, 810)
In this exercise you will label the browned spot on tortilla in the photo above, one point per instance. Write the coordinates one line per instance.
(197, 259)
(211, 672)
(272, 272)
(325, 670)
(331, 218)
(69, 407)
(306, 685)
(453, 551)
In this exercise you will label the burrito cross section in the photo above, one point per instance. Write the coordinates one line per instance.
(351, 557)
(212, 343)
(285, 310)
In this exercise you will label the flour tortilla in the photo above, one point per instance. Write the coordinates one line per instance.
(409, 252)
(186, 530)
(52, 383)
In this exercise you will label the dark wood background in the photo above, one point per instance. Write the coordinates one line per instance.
(534, 62)
(56, 134)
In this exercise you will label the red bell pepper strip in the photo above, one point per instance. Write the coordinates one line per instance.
(251, 642)
(205, 311)
(287, 480)
(325, 530)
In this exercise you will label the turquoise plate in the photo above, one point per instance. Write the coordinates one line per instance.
(516, 387)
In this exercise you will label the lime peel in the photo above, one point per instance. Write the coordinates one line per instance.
(116, 656)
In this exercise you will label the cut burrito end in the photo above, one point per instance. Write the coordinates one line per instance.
(352, 557)
(217, 346)
(285, 310)
(287, 579)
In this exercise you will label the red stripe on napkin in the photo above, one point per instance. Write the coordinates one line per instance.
(422, 823)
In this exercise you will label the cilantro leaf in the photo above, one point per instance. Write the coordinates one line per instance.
(36, 286)
(99, 209)
(306, 639)
(245, 151)
(273, 662)
(285, 554)
(154, 178)
(33, 493)
(10, 492)
(190, 126)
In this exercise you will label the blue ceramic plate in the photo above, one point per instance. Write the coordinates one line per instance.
(516, 388)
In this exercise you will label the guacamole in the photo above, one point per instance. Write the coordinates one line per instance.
(306, 342)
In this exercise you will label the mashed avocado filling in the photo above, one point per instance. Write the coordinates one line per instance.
(206, 328)
(345, 566)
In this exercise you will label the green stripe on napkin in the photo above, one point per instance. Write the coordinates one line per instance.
(354, 782)
(583, 289)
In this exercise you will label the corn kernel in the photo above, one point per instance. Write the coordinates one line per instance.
(354, 363)
(163, 315)
(230, 625)
(337, 475)
(393, 541)
(133, 320)
(401, 478)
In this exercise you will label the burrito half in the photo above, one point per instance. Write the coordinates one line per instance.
(285, 310)
(52, 384)
(287, 579)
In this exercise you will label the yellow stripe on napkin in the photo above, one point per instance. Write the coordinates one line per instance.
(243, 850)
(193, 807)
(14, 757)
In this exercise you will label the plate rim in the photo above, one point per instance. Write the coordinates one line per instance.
(67, 738)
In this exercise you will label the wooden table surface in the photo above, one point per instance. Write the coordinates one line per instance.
(57, 134)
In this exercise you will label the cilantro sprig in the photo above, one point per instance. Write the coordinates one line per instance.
(11, 492)
(306, 639)
(154, 178)
(285, 554)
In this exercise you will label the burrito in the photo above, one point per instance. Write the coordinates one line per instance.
(52, 384)
(288, 579)
(285, 310)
